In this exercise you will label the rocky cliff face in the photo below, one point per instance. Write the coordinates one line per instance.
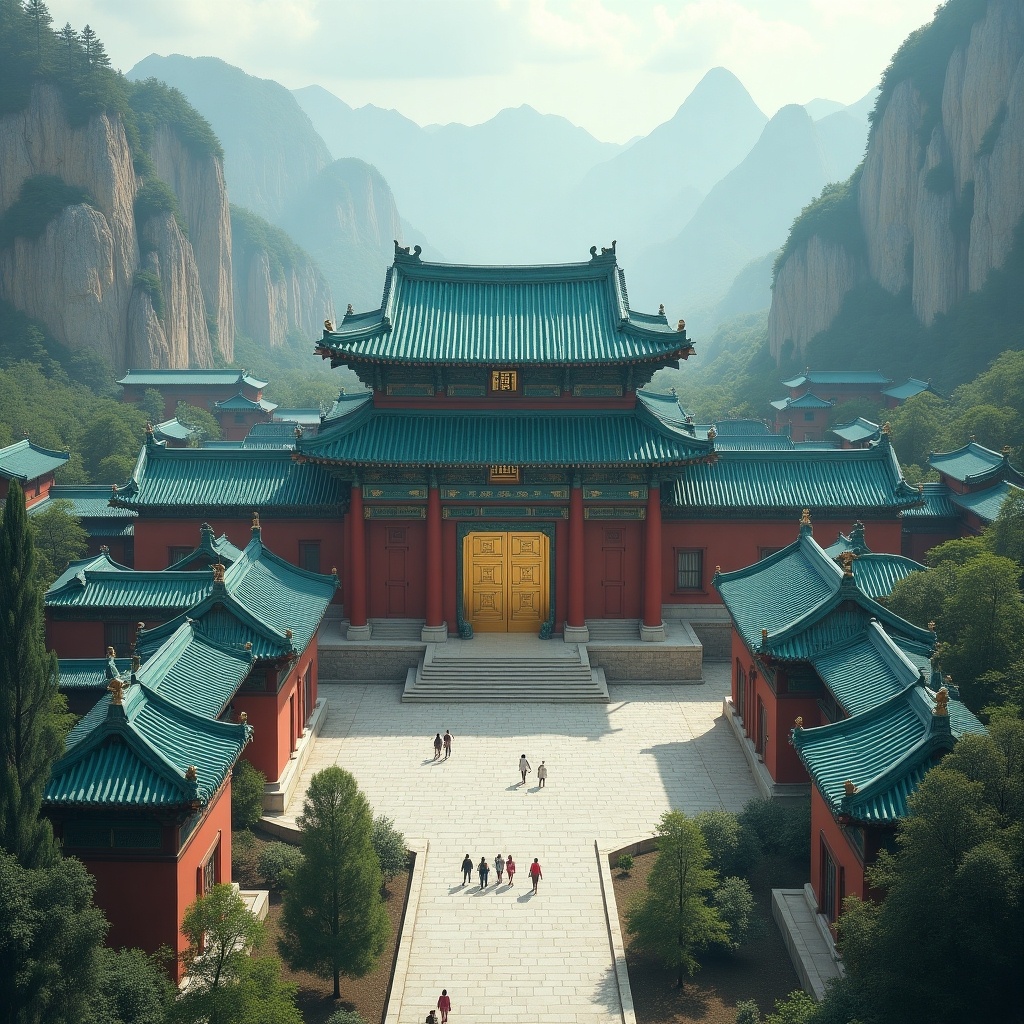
(198, 183)
(81, 276)
(940, 195)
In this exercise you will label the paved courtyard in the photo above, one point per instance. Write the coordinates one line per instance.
(503, 954)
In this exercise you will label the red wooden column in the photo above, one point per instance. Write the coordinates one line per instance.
(356, 601)
(575, 630)
(435, 630)
(652, 628)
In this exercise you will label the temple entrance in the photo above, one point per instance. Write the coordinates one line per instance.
(505, 581)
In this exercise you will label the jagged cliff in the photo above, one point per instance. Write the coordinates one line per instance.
(279, 291)
(96, 275)
(933, 209)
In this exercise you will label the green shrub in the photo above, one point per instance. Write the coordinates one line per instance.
(390, 846)
(154, 198)
(748, 1012)
(42, 198)
(246, 795)
(735, 903)
(345, 1017)
(278, 862)
(772, 829)
(243, 849)
(721, 830)
(625, 862)
(150, 283)
(155, 103)
(797, 1008)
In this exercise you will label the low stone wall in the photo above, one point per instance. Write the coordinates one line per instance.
(716, 638)
(647, 662)
(382, 663)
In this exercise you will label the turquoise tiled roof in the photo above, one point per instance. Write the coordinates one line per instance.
(908, 389)
(986, 504)
(303, 417)
(857, 481)
(742, 428)
(368, 435)
(797, 603)
(172, 430)
(877, 574)
(837, 377)
(558, 315)
(866, 670)
(937, 503)
(223, 378)
(101, 583)
(275, 434)
(854, 542)
(262, 600)
(857, 430)
(884, 752)
(211, 549)
(88, 501)
(24, 460)
(206, 482)
(240, 402)
(195, 672)
(87, 673)
(136, 754)
(805, 401)
(973, 464)
(754, 443)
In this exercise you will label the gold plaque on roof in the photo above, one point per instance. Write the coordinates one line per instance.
(504, 380)
(504, 475)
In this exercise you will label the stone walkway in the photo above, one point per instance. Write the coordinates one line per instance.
(504, 955)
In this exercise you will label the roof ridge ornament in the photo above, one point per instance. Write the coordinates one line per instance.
(850, 788)
(941, 709)
(328, 327)
(402, 252)
(116, 688)
(846, 560)
(256, 524)
(805, 523)
(218, 574)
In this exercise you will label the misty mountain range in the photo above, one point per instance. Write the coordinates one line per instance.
(697, 205)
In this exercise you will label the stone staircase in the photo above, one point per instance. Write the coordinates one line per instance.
(614, 631)
(395, 629)
(497, 672)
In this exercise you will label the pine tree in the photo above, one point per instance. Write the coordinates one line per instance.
(37, 11)
(70, 47)
(334, 921)
(33, 715)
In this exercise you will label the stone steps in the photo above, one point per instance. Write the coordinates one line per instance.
(504, 677)
(395, 629)
(614, 630)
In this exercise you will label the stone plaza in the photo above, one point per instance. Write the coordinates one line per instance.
(504, 954)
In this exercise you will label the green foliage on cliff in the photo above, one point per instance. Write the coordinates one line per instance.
(156, 197)
(150, 283)
(833, 216)
(250, 232)
(923, 58)
(41, 199)
(154, 104)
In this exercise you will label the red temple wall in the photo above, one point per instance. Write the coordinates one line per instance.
(202, 397)
(849, 867)
(76, 639)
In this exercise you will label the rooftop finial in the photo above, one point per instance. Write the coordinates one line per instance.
(850, 788)
(920, 488)
(334, 571)
(104, 550)
(116, 688)
(136, 663)
(798, 722)
(712, 433)
(349, 310)
(218, 572)
(255, 522)
(805, 517)
(846, 561)
(941, 708)
(191, 774)
(718, 570)
(298, 430)
(328, 326)
(661, 309)
(149, 427)
(931, 626)
(243, 717)
(248, 645)
(886, 427)
(764, 636)
(287, 634)
(111, 653)
(681, 327)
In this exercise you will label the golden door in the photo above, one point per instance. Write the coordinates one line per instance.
(505, 581)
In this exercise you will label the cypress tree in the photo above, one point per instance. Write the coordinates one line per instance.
(33, 714)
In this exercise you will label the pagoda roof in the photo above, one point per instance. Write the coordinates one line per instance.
(100, 582)
(743, 428)
(855, 481)
(172, 430)
(566, 314)
(275, 434)
(138, 754)
(88, 673)
(201, 482)
(858, 430)
(975, 464)
(90, 502)
(302, 417)
(239, 402)
(849, 377)
(909, 388)
(263, 601)
(211, 550)
(937, 503)
(877, 573)
(884, 752)
(805, 401)
(24, 460)
(867, 669)
(798, 602)
(222, 378)
(986, 504)
(361, 433)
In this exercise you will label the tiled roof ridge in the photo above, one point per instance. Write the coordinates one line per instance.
(263, 552)
(891, 652)
(166, 656)
(997, 461)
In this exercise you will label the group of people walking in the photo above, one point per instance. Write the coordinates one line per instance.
(525, 769)
(445, 742)
(503, 866)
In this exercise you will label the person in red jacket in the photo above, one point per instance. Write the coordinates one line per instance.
(444, 1004)
(535, 873)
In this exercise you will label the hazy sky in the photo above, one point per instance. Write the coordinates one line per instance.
(616, 67)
